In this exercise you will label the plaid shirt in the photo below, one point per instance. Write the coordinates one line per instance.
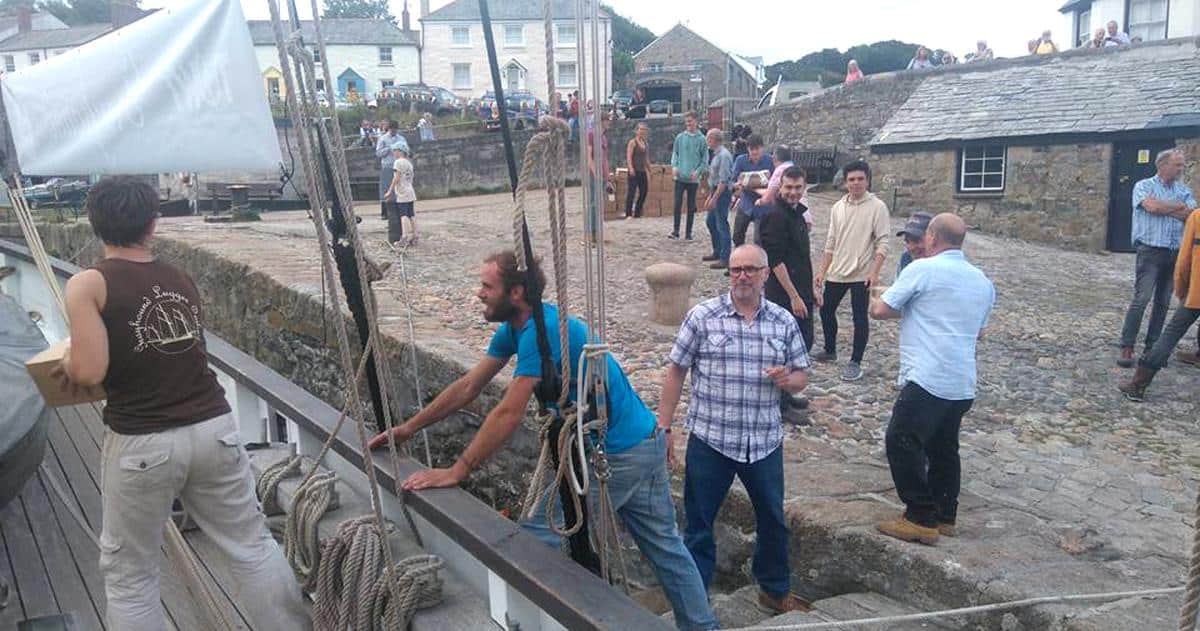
(735, 406)
(1159, 231)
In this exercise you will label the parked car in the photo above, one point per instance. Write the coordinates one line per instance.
(659, 106)
(445, 101)
(621, 99)
(406, 95)
(56, 190)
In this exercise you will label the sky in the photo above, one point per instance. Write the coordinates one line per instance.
(780, 30)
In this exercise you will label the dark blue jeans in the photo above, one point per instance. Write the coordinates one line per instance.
(706, 483)
(1154, 278)
(718, 227)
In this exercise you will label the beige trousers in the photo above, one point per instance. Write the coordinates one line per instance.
(205, 465)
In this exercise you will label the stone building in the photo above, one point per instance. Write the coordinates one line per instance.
(454, 55)
(365, 56)
(691, 72)
(1042, 148)
(1151, 20)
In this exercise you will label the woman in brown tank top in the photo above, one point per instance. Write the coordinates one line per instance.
(136, 328)
(637, 157)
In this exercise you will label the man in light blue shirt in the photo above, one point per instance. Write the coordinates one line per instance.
(383, 151)
(720, 175)
(942, 302)
(1160, 206)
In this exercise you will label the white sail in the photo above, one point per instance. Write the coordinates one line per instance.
(178, 90)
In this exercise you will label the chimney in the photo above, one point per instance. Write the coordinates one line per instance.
(24, 18)
(404, 20)
(124, 14)
(424, 8)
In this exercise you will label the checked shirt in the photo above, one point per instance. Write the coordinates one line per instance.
(734, 405)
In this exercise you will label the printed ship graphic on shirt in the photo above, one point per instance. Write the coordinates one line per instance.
(167, 323)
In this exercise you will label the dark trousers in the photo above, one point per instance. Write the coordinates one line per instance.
(706, 483)
(639, 182)
(690, 189)
(741, 222)
(1154, 278)
(859, 302)
(717, 223)
(805, 324)
(922, 452)
(396, 210)
(385, 182)
(1184, 318)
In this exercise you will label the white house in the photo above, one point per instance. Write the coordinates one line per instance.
(454, 55)
(27, 38)
(1149, 19)
(364, 56)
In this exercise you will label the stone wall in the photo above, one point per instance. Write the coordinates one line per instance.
(845, 116)
(1054, 194)
(476, 164)
(289, 329)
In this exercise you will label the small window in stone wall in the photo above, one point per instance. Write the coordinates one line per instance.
(981, 169)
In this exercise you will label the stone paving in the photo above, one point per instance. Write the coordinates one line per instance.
(1067, 487)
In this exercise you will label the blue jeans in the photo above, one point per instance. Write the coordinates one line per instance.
(706, 483)
(640, 490)
(1154, 278)
(718, 227)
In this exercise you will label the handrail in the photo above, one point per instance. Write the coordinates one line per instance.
(567, 592)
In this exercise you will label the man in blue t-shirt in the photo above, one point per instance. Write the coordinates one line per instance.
(639, 486)
(747, 212)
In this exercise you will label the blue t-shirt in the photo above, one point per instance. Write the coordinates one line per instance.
(742, 164)
(630, 421)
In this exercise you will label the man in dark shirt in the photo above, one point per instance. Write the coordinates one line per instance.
(753, 160)
(785, 237)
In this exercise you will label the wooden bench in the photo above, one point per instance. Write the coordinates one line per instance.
(222, 191)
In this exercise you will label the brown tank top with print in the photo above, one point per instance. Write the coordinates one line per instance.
(158, 376)
(641, 157)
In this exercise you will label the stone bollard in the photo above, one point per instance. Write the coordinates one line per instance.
(670, 292)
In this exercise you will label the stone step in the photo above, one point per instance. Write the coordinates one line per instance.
(461, 607)
(856, 606)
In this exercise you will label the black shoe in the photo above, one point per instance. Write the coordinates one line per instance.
(720, 265)
(674, 236)
(688, 238)
(825, 356)
(710, 257)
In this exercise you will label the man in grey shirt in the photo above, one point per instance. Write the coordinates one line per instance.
(383, 151)
(720, 173)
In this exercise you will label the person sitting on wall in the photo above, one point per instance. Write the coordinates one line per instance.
(639, 485)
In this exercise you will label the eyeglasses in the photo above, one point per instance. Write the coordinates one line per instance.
(745, 271)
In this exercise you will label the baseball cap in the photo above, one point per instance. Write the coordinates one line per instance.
(917, 223)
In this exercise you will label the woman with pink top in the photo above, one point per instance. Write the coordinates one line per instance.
(853, 73)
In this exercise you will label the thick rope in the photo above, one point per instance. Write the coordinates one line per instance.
(303, 119)
(353, 585)
(1191, 601)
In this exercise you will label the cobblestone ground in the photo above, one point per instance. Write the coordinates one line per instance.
(1066, 485)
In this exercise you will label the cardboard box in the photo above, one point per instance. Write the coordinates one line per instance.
(43, 366)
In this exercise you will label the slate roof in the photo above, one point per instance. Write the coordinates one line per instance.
(1082, 92)
(343, 31)
(506, 11)
(55, 38)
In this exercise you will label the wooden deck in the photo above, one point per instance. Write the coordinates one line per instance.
(52, 565)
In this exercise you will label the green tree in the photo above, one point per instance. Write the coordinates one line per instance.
(829, 65)
(628, 37)
(374, 9)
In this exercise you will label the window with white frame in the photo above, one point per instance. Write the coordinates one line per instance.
(460, 36)
(387, 83)
(1148, 19)
(321, 84)
(514, 35)
(981, 169)
(568, 76)
(10, 63)
(655, 67)
(316, 55)
(1083, 25)
(385, 55)
(566, 34)
(462, 76)
(35, 58)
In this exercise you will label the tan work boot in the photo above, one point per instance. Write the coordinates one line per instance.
(1126, 359)
(789, 602)
(903, 529)
(947, 530)
(1191, 359)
